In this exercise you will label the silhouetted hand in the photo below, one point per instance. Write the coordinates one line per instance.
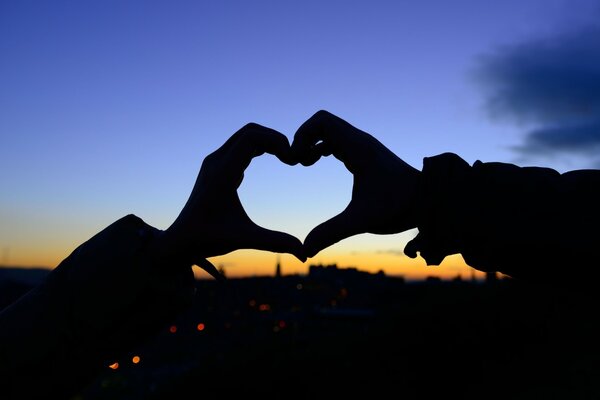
(213, 221)
(117, 288)
(384, 185)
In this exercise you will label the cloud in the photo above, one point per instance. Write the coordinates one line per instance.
(552, 84)
(582, 138)
(395, 252)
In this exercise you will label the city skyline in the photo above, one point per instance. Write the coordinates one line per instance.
(285, 265)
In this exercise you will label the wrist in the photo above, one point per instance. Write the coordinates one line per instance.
(176, 244)
(442, 198)
(414, 201)
(407, 198)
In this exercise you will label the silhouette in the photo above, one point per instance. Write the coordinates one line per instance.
(128, 281)
(531, 223)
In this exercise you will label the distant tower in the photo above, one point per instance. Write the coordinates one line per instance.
(278, 267)
(221, 270)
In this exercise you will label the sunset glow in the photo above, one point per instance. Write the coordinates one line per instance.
(90, 135)
(252, 263)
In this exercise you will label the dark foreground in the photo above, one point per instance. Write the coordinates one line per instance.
(344, 334)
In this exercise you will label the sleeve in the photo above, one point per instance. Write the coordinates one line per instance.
(108, 295)
(526, 222)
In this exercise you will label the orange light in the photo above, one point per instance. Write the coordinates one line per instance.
(264, 307)
(135, 359)
(114, 366)
(173, 328)
(200, 326)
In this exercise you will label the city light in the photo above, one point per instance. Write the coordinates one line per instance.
(135, 359)
(114, 365)
(200, 326)
(173, 328)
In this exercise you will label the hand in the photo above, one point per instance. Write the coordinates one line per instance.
(213, 221)
(384, 185)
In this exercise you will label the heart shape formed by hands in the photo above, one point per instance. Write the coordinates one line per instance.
(214, 222)
(379, 203)
(294, 199)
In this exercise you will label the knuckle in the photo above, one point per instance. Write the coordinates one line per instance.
(250, 126)
(322, 114)
(210, 160)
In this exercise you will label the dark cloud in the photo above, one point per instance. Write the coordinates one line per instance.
(553, 84)
(582, 138)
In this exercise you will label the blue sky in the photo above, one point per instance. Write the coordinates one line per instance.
(108, 107)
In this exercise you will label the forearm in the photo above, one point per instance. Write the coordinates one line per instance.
(109, 294)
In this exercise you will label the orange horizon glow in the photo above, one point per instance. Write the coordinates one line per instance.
(47, 247)
(252, 263)
(249, 263)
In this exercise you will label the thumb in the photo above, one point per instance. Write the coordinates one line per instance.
(332, 231)
(209, 268)
(278, 242)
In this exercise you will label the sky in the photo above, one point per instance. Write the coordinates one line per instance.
(108, 107)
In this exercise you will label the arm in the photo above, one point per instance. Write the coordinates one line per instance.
(130, 279)
(110, 293)
(520, 221)
(527, 222)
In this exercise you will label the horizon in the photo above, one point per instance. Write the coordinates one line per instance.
(199, 274)
(109, 108)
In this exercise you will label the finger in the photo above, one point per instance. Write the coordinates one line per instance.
(251, 141)
(311, 157)
(233, 139)
(413, 246)
(326, 134)
(311, 132)
(332, 231)
(274, 241)
(313, 154)
(323, 149)
(210, 268)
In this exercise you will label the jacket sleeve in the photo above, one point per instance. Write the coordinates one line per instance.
(104, 298)
(526, 222)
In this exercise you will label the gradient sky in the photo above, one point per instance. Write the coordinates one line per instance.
(108, 108)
